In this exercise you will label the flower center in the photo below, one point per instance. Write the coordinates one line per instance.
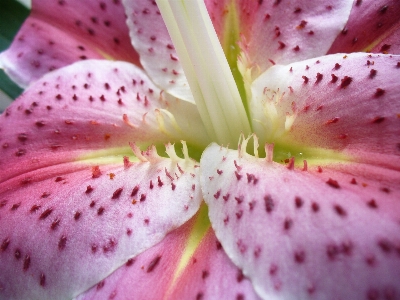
(206, 68)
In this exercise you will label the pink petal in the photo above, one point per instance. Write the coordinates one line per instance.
(211, 275)
(72, 207)
(150, 38)
(58, 33)
(70, 114)
(278, 32)
(217, 11)
(298, 234)
(147, 276)
(67, 227)
(152, 275)
(373, 26)
(344, 103)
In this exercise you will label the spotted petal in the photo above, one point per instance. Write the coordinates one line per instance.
(337, 107)
(372, 26)
(57, 34)
(91, 197)
(150, 38)
(281, 32)
(91, 109)
(298, 234)
(188, 264)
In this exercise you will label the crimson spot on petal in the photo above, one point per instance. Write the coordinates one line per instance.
(269, 203)
(153, 264)
(333, 183)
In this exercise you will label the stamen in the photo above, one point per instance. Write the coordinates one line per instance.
(255, 139)
(185, 150)
(126, 120)
(170, 150)
(269, 150)
(137, 152)
(172, 119)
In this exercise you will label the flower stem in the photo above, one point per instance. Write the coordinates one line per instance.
(206, 68)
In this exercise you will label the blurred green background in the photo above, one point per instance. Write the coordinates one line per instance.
(12, 15)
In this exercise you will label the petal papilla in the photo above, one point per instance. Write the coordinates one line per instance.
(58, 33)
(156, 273)
(67, 227)
(297, 234)
(336, 107)
(91, 110)
(151, 39)
(373, 26)
(278, 32)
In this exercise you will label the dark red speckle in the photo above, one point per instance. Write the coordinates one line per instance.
(269, 203)
(130, 262)
(333, 183)
(27, 262)
(299, 257)
(117, 193)
(379, 92)
(153, 264)
(339, 210)
(346, 82)
(332, 121)
(20, 152)
(89, 189)
(383, 9)
(319, 77)
(273, 269)
(4, 244)
(385, 246)
(62, 242)
(96, 173)
(315, 207)
(15, 206)
(77, 215)
(35, 208)
(17, 254)
(288, 223)
(46, 213)
(135, 191)
(42, 280)
(298, 202)
(372, 203)
(378, 120)
(55, 224)
(101, 210)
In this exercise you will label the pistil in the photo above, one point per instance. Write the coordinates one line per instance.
(206, 68)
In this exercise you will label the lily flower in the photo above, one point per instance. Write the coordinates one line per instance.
(97, 202)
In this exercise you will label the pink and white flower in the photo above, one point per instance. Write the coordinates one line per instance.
(87, 213)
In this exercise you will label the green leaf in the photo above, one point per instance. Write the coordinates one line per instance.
(12, 15)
